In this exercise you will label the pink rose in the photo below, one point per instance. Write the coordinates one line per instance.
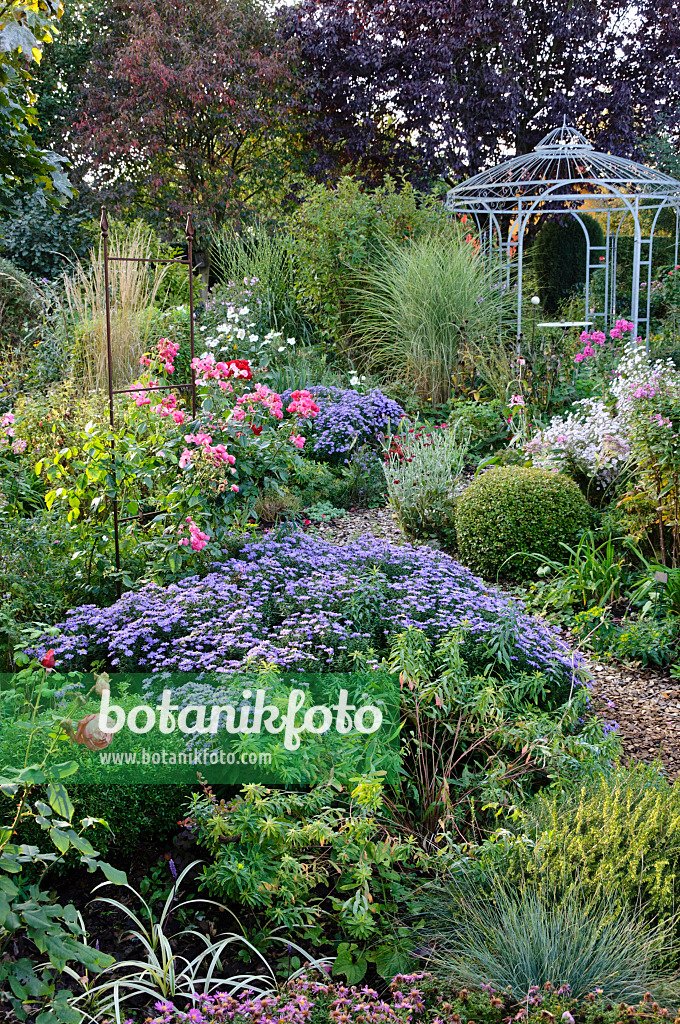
(89, 733)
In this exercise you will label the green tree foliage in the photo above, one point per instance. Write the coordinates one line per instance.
(25, 168)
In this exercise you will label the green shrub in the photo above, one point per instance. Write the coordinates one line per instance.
(559, 257)
(618, 836)
(512, 511)
(41, 241)
(338, 231)
(423, 473)
(137, 816)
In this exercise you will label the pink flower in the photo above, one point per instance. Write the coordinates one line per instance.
(185, 459)
(197, 538)
(298, 440)
(142, 398)
(303, 404)
(47, 661)
(517, 400)
(235, 488)
(579, 357)
(90, 735)
(179, 417)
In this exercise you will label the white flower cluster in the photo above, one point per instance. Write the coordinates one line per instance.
(593, 439)
(590, 440)
(236, 337)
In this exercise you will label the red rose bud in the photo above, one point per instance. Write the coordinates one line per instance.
(48, 660)
(256, 430)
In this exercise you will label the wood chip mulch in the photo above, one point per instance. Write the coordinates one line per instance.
(646, 705)
(645, 702)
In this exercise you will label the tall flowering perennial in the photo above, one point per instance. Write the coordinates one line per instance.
(229, 327)
(653, 411)
(593, 340)
(593, 442)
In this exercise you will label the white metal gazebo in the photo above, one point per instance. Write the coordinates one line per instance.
(566, 175)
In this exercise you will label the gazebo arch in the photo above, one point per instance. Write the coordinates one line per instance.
(565, 174)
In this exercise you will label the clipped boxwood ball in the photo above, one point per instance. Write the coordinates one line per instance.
(513, 510)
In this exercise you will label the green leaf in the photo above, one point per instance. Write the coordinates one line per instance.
(354, 970)
(59, 800)
(63, 770)
(81, 844)
(60, 839)
(390, 961)
(113, 874)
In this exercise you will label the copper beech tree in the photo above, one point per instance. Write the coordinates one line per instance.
(185, 103)
(449, 86)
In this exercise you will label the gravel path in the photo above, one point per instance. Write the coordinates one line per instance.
(377, 521)
(644, 702)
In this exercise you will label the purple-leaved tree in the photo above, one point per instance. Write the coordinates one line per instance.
(450, 86)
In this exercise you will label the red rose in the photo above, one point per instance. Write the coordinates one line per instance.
(48, 661)
(256, 430)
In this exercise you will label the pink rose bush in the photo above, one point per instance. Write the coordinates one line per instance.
(191, 470)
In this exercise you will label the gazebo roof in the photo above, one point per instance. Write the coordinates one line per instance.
(564, 167)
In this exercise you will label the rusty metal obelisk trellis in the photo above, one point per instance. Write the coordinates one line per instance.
(189, 233)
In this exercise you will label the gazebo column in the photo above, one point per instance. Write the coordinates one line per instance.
(637, 258)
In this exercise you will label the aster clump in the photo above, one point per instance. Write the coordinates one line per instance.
(347, 419)
(304, 604)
